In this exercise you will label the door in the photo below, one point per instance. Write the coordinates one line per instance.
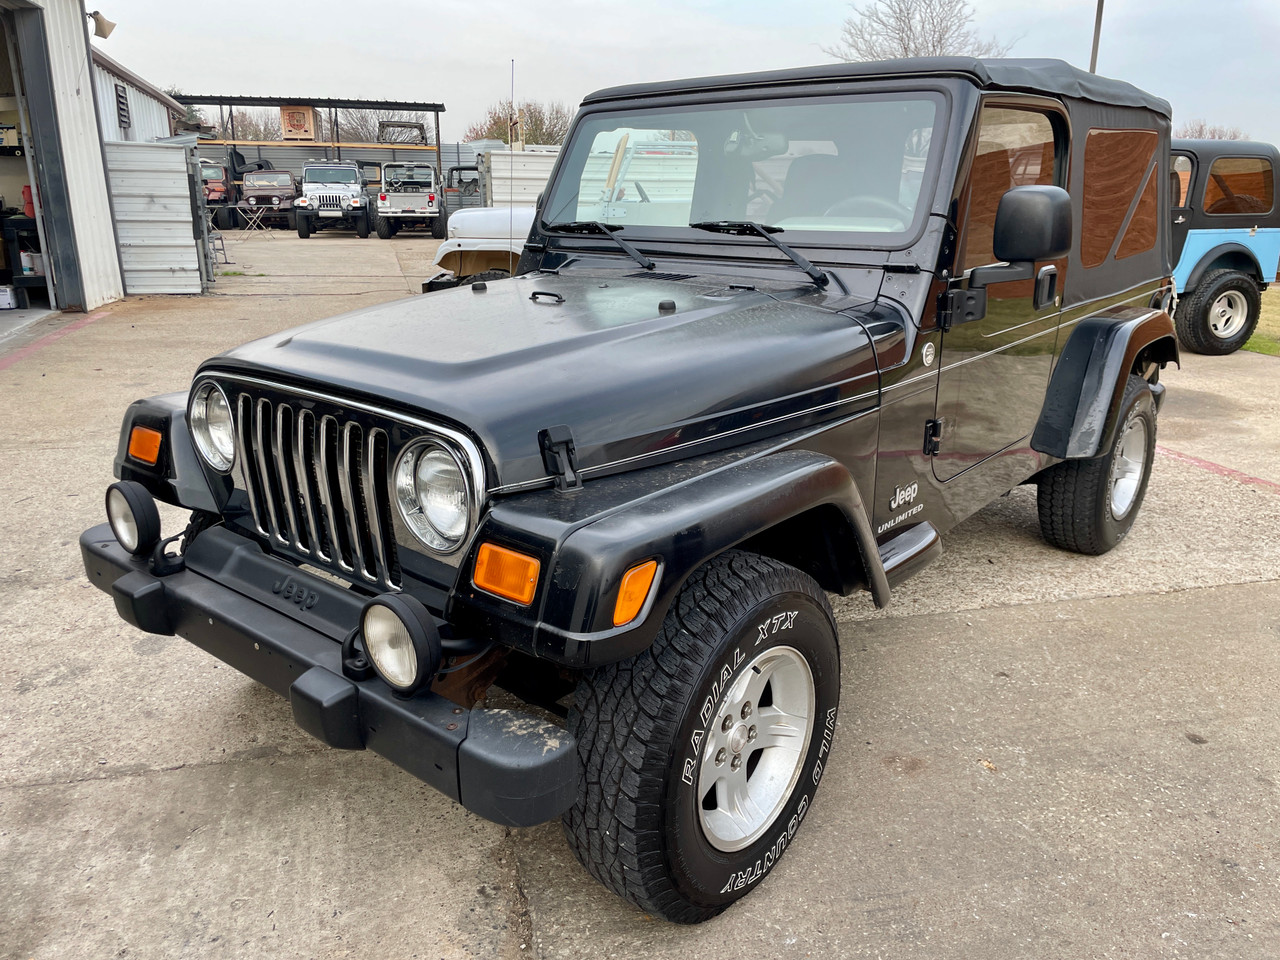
(994, 371)
(1180, 177)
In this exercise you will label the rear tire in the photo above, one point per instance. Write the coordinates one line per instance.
(440, 226)
(225, 218)
(701, 756)
(1220, 315)
(291, 220)
(384, 228)
(1088, 506)
(304, 225)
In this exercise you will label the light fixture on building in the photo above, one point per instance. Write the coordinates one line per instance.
(102, 27)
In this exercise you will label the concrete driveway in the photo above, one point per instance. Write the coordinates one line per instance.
(1040, 755)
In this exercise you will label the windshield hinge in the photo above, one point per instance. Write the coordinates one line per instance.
(961, 306)
(932, 437)
(559, 456)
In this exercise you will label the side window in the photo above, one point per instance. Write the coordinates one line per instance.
(1179, 180)
(1016, 147)
(1119, 172)
(1239, 185)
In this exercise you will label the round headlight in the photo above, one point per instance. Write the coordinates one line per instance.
(434, 495)
(212, 426)
(134, 519)
(253, 201)
(402, 641)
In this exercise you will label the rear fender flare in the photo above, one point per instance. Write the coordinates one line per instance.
(1236, 255)
(1082, 405)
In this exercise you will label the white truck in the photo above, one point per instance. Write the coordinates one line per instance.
(410, 197)
(332, 196)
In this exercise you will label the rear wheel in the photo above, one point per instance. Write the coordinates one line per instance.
(701, 756)
(384, 227)
(1221, 313)
(291, 220)
(225, 217)
(440, 225)
(1088, 506)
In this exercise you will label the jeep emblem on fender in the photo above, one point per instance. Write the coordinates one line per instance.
(904, 495)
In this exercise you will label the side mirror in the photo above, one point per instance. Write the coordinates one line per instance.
(1032, 223)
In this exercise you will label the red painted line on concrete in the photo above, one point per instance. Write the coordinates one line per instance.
(29, 349)
(1269, 485)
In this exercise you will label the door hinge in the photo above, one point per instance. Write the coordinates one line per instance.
(560, 456)
(961, 306)
(932, 437)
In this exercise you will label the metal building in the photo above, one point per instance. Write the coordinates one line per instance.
(129, 108)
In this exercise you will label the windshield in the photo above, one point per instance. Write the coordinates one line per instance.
(853, 165)
(329, 175)
(407, 173)
(210, 172)
(281, 179)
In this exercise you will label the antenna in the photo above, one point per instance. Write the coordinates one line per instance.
(511, 174)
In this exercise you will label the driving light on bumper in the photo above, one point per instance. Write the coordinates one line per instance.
(402, 642)
(133, 516)
(434, 495)
(212, 426)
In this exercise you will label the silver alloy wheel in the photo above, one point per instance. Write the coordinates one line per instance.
(752, 755)
(1228, 315)
(1127, 467)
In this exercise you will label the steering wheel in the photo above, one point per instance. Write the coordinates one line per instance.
(848, 206)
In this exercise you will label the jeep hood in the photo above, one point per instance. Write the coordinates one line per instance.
(636, 367)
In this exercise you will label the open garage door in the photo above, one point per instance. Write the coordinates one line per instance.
(155, 220)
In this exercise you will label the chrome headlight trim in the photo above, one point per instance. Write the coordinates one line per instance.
(198, 420)
(409, 498)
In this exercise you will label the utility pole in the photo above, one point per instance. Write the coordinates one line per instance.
(1097, 32)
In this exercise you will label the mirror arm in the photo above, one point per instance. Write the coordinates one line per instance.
(1000, 273)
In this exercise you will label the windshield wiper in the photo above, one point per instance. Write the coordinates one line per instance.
(607, 229)
(746, 228)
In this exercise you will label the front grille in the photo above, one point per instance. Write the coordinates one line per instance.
(316, 485)
(329, 201)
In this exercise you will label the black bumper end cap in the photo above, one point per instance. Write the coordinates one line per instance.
(140, 600)
(327, 707)
(517, 770)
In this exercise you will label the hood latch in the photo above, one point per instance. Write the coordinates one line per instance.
(560, 456)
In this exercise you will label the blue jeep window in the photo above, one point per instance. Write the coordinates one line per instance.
(1239, 185)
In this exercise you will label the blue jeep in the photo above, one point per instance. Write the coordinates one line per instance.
(1226, 239)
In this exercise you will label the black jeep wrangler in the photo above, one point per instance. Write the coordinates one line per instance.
(772, 335)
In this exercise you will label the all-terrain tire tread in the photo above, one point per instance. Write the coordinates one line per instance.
(1191, 323)
(625, 717)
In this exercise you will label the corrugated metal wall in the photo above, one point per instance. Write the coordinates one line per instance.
(149, 118)
(81, 153)
(152, 199)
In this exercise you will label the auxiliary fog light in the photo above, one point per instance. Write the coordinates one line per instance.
(402, 641)
(134, 519)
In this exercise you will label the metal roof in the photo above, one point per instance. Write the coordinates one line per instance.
(1022, 75)
(320, 102)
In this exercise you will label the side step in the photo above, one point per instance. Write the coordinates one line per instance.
(910, 551)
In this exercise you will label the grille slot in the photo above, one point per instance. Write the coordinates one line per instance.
(329, 201)
(317, 486)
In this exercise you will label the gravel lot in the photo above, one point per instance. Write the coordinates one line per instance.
(1039, 755)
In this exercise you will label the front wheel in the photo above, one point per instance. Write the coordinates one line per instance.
(304, 225)
(1088, 506)
(362, 226)
(1220, 314)
(702, 755)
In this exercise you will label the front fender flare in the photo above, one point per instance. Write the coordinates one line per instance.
(178, 477)
(1082, 405)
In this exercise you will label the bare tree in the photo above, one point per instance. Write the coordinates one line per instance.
(257, 123)
(889, 29)
(541, 122)
(1203, 130)
(361, 126)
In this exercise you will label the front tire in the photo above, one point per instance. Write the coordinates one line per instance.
(701, 756)
(1088, 506)
(362, 226)
(1221, 313)
(304, 225)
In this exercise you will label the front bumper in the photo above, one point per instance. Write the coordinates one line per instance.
(235, 602)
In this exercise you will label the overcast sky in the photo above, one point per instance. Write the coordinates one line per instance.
(1222, 66)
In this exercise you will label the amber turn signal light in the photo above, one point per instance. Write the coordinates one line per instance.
(507, 574)
(633, 592)
(144, 445)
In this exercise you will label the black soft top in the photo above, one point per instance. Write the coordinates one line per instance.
(1054, 77)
